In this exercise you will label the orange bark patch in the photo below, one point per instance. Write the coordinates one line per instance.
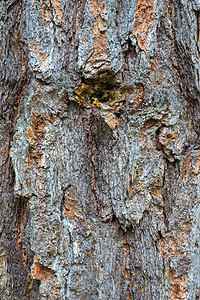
(154, 65)
(197, 165)
(33, 46)
(36, 135)
(5, 152)
(177, 245)
(98, 30)
(191, 166)
(71, 207)
(100, 44)
(188, 114)
(173, 245)
(42, 57)
(185, 166)
(41, 272)
(155, 75)
(144, 18)
(58, 10)
(89, 224)
(139, 93)
(3, 261)
(169, 247)
(178, 286)
(45, 13)
(36, 48)
(36, 131)
(157, 194)
(110, 119)
(96, 6)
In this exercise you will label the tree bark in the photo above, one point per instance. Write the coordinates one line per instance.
(100, 154)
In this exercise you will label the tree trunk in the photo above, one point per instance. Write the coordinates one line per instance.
(100, 154)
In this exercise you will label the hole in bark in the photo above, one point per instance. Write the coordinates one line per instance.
(103, 89)
(114, 218)
(98, 90)
(118, 112)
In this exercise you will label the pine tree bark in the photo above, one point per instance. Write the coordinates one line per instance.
(100, 154)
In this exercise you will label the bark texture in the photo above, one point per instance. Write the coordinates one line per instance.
(100, 153)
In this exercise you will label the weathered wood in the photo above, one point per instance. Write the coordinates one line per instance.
(99, 123)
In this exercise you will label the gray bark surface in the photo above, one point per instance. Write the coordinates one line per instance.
(100, 154)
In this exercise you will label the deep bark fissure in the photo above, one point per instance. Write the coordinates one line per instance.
(21, 210)
(62, 204)
(92, 155)
(198, 29)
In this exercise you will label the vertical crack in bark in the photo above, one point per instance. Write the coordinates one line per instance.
(165, 200)
(20, 224)
(197, 13)
(24, 78)
(182, 63)
(127, 272)
(174, 64)
(92, 155)
(52, 19)
(71, 246)
(62, 204)
(22, 208)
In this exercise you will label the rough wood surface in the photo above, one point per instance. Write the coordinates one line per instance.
(100, 154)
